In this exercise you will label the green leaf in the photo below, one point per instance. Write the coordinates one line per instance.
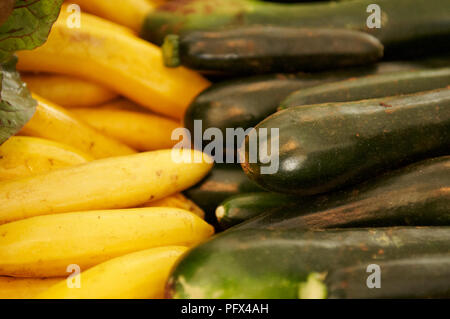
(28, 26)
(16, 104)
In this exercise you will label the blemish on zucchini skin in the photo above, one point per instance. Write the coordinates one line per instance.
(313, 287)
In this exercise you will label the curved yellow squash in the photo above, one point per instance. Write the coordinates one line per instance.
(130, 13)
(55, 123)
(25, 288)
(122, 104)
(144, 132)
(140, 275)
(45, 246)
(22, 156)
(68, 91)
(124, 63)
(118, 182)
(177, 201)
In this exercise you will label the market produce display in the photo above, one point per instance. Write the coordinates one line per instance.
(262, 49)
(261, 263)
(224, 149)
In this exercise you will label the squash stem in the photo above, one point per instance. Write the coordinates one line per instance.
(170, 51)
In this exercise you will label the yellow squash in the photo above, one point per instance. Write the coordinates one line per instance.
(122, 104)
(45, 246)
(125, 63)
(68, 91)
(22, 156)
(119, 182)
(55, 123)
(71, 17)
(24, 288)
(177, 201)
(130, 13)
(140, 275)
(144, 132)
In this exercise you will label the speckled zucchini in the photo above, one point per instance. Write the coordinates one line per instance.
(328, 146)
(225, 180)
(415, 277)
(293, 264)
(247, 101)
(407, 26)
(269, 49)
(243, 207)
(416, 195)
(369, 87)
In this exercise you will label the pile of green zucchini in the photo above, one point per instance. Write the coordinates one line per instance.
(363, 181)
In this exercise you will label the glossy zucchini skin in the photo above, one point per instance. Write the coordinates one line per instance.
(369, 87)
(270, 49)
(407, 25)
(328, 146)
(416, 195)
(224, 180)
(273, 264)
(422, 277)
(242, 207)
(243, 103)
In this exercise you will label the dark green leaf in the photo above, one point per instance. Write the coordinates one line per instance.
(16, 104)
(28, 26)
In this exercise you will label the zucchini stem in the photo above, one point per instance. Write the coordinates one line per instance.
(170, 51)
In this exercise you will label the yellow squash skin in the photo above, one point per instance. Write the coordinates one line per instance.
(130, 13)
(144, 132)
(68, 91)
(25, 288)
(45, 246)
(140, 275)
(122, 104)
(124, 63)
(22, 156)
(55, 123)
(94, 21)
(177, 201)
(119, 182)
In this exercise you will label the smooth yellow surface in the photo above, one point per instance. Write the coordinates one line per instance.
(22, 156)
(144, 132)
(118, 182)
(45, 246)
(24, 288)
(140, 275)
(177, 201)
(55, 123)
(130, 13)
(68, 91)
(68, 15)
(122, 104)
(125, 63)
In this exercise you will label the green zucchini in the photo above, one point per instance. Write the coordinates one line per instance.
(242, 207)
(268, 49)
(291, 264)
(407, 26)
(243, 103)
(416, 195)
(369, 87)
(225, 180)
(328, 146)
(423, 277)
